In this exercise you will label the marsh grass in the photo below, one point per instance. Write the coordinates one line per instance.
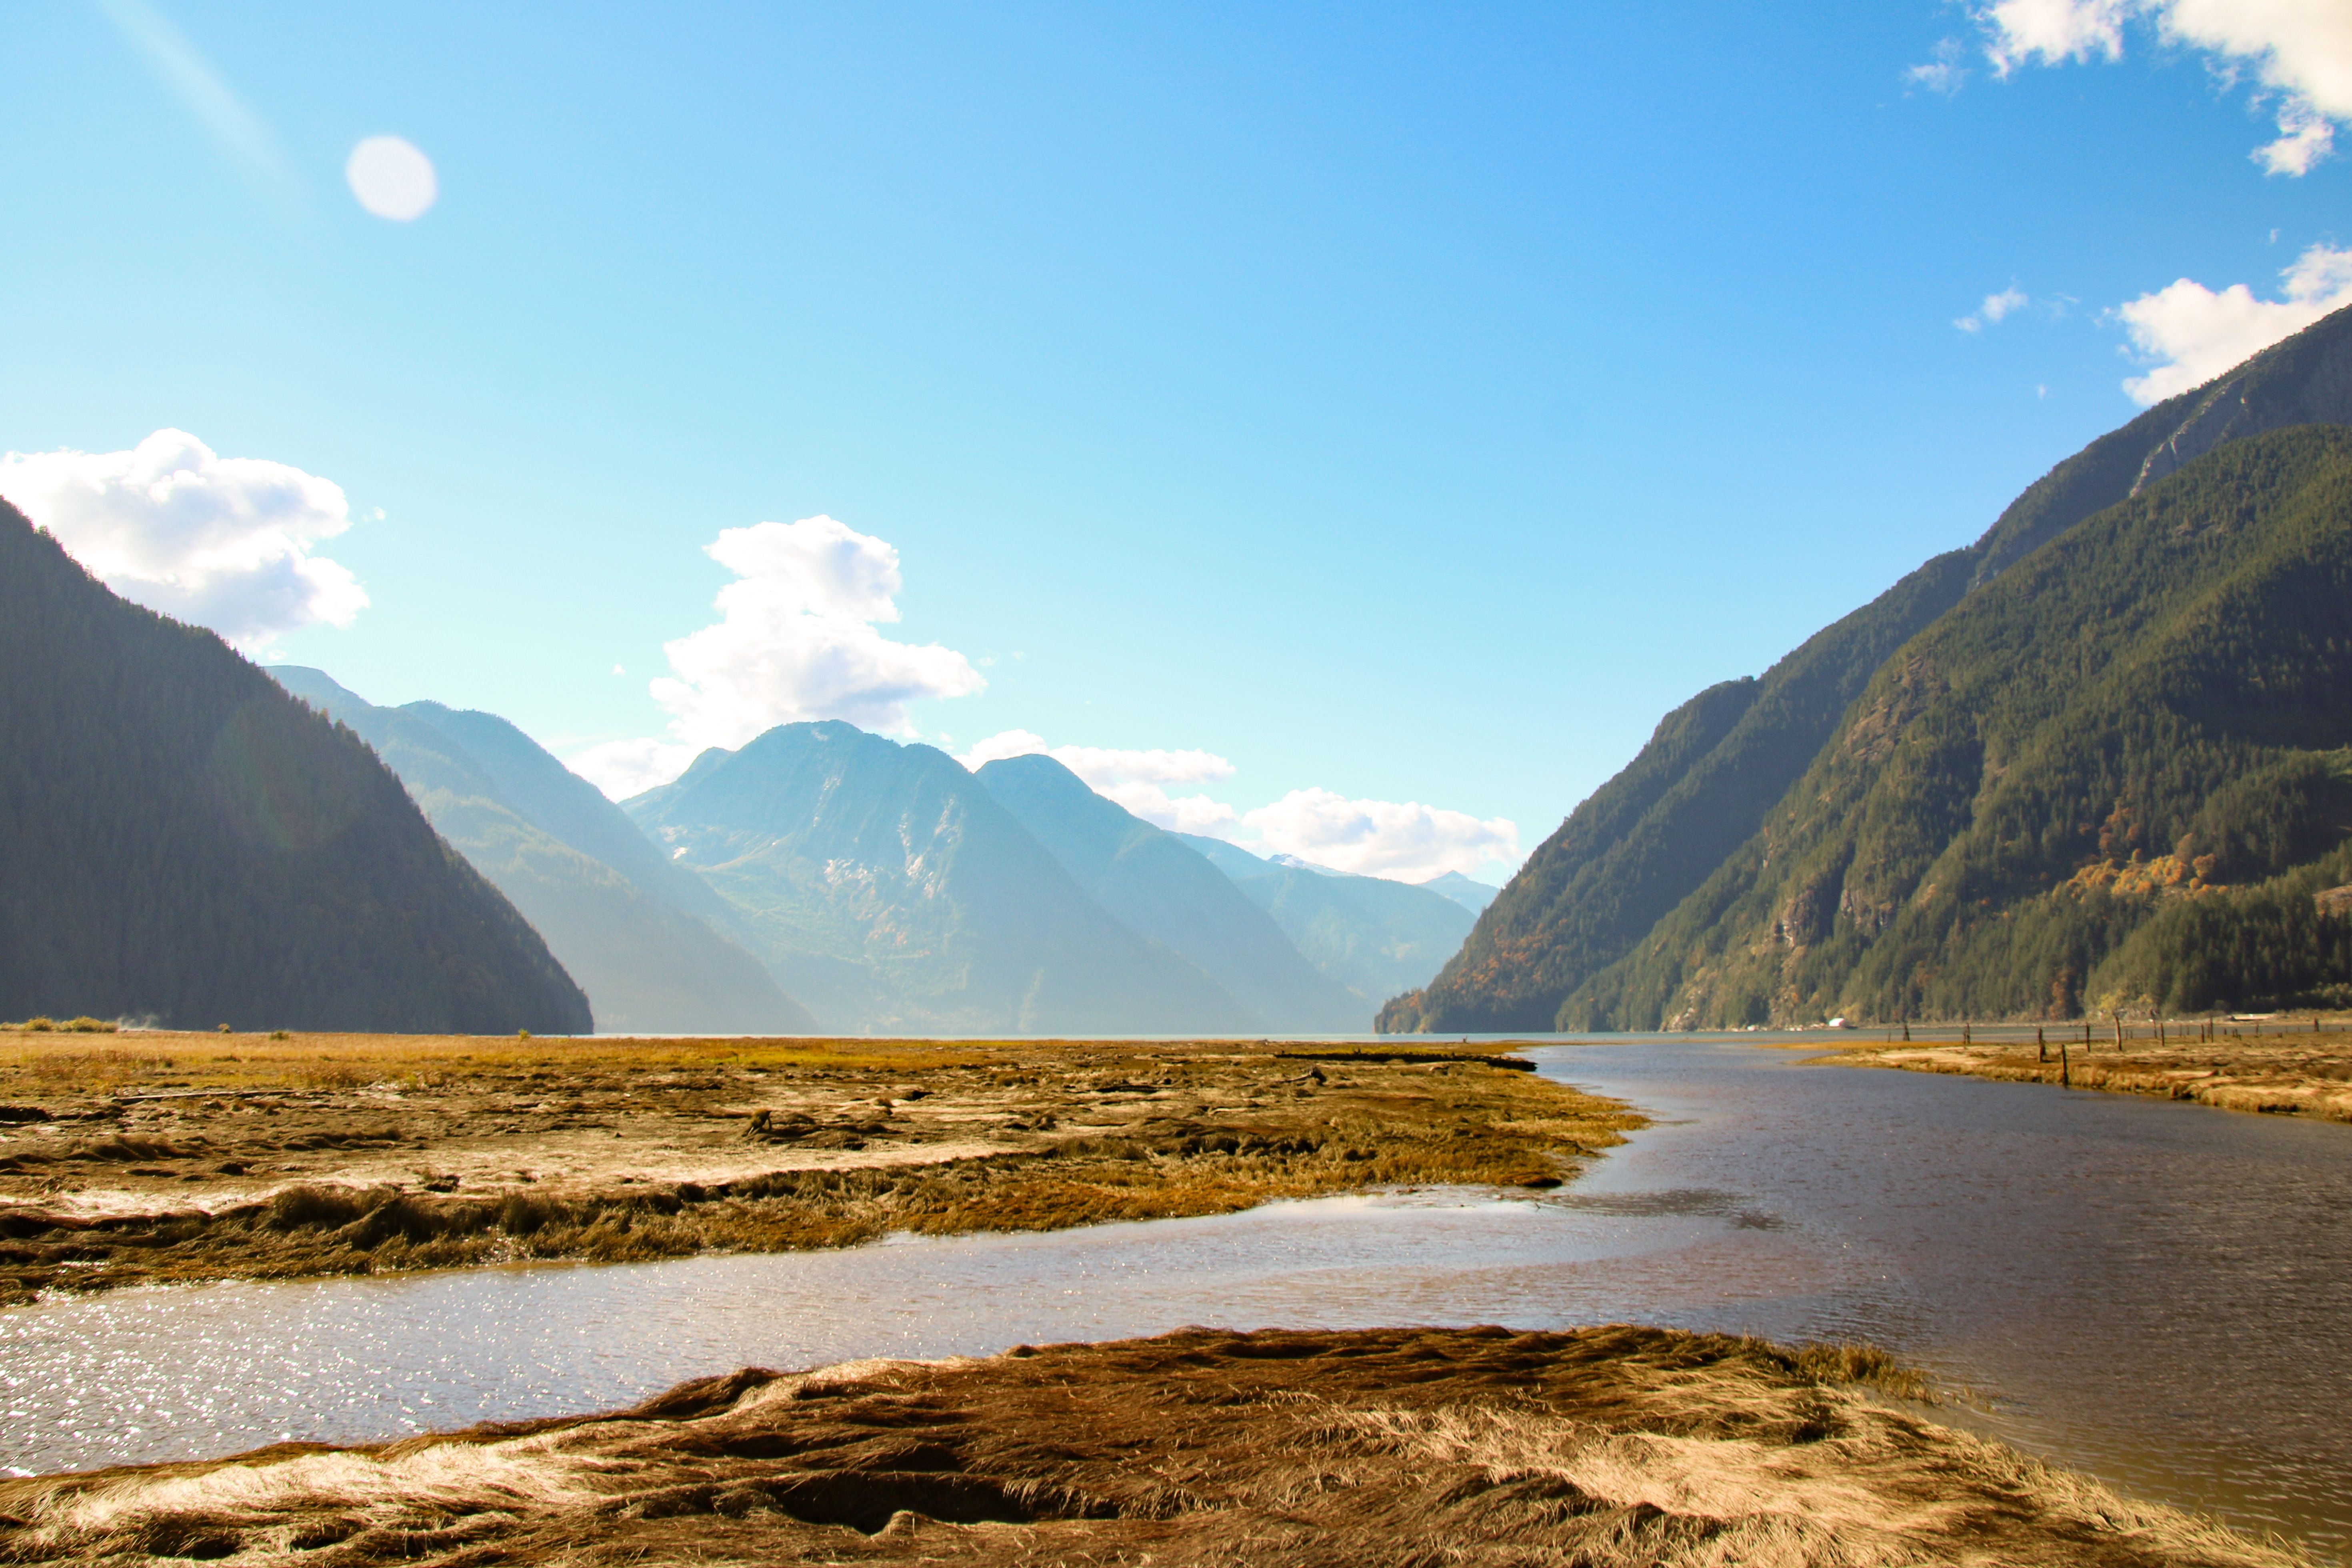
(2289, 1071)
(1605, 1447)
(1031, 1136)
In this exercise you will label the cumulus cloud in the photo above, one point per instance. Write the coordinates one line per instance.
(225, 542)
(2299, 51)
(2051, 32)
(2193, 333)
(1136, 780)
(1402, 840)
(1994, 307)
(796, 639)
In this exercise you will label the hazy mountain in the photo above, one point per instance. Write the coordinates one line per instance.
(888, 887)
(1163, 890)
(1660, 838)
(1373, 936)
(1233, 861)
(1472, 896)
(188, 842)
(611, 908)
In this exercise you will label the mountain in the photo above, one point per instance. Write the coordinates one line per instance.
(1373, 936)
(1650, 844)
(1472, 896)
(886, 884)
(1166, 891)
(1235, 861)
(2123, 759)
(610, 908)
(186, 842)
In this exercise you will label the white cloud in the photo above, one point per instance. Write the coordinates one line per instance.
(1994, 307)
(2051, 31)
(2299, 50)
(624, 768)
(795, 640)
(1404, 841)
(2194, 335)
(1945, 72)
(225, 542)
(1136, 780)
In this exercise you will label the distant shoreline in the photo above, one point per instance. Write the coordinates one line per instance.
(2287, 1071)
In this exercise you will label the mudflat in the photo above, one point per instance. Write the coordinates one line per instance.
(142, 1158)
(2283, 1070)
(1602, 1447)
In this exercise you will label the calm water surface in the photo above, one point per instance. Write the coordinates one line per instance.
(2157, 1292)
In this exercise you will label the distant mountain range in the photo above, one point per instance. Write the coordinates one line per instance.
(635, 931)
(2097, 758)
(186, 843)
(1371, 936)
(895, 892)
(888, 886)
(1160, 888)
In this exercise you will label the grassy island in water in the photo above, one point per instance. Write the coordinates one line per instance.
(136, 1159)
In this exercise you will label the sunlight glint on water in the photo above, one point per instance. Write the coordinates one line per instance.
(2160, 1293)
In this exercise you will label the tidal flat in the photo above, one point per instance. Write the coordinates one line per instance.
(153, 1158)
(1603, 1447)
(2285, 1067)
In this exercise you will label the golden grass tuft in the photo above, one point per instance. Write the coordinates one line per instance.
(1606, 1447)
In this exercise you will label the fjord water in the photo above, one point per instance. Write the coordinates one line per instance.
(2160, 1293)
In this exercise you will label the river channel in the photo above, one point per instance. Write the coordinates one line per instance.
(2158, 1293)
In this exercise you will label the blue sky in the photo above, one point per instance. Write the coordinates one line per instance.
(1408, 404)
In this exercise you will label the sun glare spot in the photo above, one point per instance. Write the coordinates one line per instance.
(392, 179)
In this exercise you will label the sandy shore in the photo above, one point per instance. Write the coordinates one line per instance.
(146, 1158)
(1602, 1447)
(2283, 1071)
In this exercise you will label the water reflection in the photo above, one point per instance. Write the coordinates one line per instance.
(2160, 1293)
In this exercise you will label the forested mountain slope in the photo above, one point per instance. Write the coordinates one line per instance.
(888, 889)
(2116, 776)
(182, 840)
(1647, 840)
(1163, 890)
(535, 829)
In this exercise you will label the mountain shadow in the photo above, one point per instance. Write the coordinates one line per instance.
(187, 843)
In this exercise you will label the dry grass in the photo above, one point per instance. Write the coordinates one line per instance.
(2283, 1072)
(1605, 1448)
(207, 1156)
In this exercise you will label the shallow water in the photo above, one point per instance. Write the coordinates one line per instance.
(2160, 1293)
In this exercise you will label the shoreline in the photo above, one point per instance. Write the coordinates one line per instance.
(2284, 1073)
(156, 1158)
(1610, 1447)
